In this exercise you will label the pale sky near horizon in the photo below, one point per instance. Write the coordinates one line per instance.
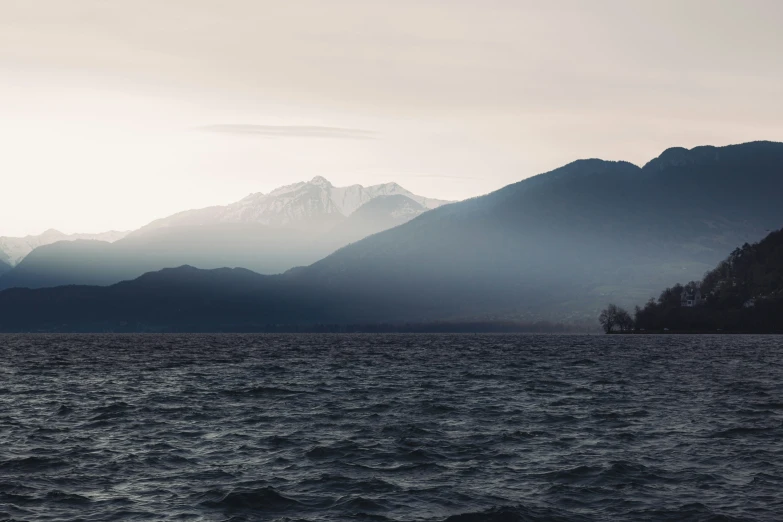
(118, 112)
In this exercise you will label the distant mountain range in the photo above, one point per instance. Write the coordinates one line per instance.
(269, 233)
(555, 246)
(315, 204)
(14, 249)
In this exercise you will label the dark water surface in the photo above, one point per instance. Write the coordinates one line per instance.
(391, 427)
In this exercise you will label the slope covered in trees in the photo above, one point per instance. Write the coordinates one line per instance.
(744, 293)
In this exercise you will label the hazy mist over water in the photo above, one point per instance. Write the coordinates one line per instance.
(391, 427)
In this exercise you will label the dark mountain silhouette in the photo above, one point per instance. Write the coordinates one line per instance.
(261, 248)
(194, 300)
(556, 246)
(744, 293)
(183, 298)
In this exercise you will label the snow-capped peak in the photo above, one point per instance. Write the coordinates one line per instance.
(320, 181)
(316, 203)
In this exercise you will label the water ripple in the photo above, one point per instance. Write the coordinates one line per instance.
(457, 428)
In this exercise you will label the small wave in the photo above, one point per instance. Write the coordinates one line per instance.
(756, 413)
(358, 502)
(112, 408)
(115, 410)
(574, 475)
(519, 434)
(558, 419)
(169, 461)
(617, 474)
(64, 410)
(322, 452)
(67, 498)
(695, 512)
(616, 415)
(437, 408)
(405, 430)
(583, 362)
(262, 391)
(31, 464)
(16, 499)
(399, 468)
(361, 515)
(516, 514)
(108, 416)
(351, 485)
(546, 383)
(743, 431)
(270, 368)
(768, 405)
(102, 423)
(481, 376)
(421, 455)
(262, 499)
(766, 478)
(47, 430)
(279, 441)
(623, 468)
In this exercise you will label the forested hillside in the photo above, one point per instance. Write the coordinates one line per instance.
(744, 293)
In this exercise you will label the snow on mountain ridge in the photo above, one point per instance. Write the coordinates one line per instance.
(316, 203)
(348, 199)
(321, 182)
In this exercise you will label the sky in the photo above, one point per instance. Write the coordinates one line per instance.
(118, 112)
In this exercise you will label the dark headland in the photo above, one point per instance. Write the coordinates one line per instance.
(743, 294)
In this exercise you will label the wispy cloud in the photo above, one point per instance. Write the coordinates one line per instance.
(291, 131)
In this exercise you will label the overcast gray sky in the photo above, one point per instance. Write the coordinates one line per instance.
(117, 112)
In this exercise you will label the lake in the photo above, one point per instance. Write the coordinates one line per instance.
(400, 427)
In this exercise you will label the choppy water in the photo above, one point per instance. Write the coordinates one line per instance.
(391, 427)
